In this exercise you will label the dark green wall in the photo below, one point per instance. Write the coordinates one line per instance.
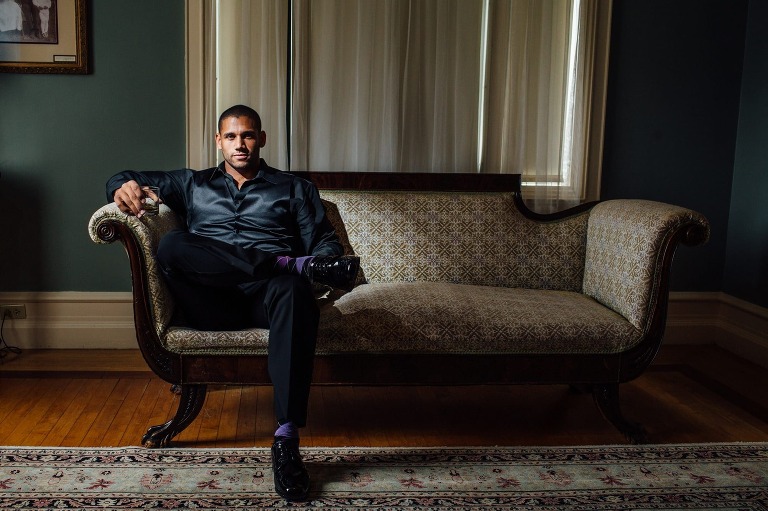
(672, 113)
(673, 133)
(687, 123)
(746, 269)
(62, 136)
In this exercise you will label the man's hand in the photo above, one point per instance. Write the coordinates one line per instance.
(129, 198)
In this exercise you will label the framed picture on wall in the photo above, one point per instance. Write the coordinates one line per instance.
(43, 36)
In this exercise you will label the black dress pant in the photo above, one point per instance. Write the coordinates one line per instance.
(218, 286)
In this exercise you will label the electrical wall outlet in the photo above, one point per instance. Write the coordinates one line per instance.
(13, 311)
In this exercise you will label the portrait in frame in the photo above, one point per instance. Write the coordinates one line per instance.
(43, 36)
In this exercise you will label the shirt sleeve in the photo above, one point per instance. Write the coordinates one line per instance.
(317, 233)
(174, 185)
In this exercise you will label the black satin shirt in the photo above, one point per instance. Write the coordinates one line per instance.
(275, 211)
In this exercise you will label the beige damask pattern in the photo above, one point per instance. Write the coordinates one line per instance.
(623, 253)
(440, 317)
(462, 238)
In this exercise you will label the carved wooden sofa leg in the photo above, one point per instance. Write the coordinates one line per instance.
(607, 399)
(191, 399)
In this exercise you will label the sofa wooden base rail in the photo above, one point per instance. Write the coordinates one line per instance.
(460, 284)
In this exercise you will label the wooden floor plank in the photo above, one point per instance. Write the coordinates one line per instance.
(354, 400)
(690, 394)
(227, 430)
(76, 361)
(210, 417)
(266, 423)
(141, 419)
(16, 395)
(364, 402)
(69, 417)
(352, 413)
(97, 395)
(31, 413)
(57, 412)
(322, 410)
(126, 412)
(683, 410)
(246, 417)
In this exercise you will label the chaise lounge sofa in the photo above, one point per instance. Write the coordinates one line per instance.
(460, 283)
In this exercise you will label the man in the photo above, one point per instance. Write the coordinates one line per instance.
(256, 240)
(43, 8)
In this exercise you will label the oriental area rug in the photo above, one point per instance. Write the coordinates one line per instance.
(659, 477)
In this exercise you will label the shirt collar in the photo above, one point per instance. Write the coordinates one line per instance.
(265, 172)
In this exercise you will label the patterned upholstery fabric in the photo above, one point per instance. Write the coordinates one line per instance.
(461, 273)
(462, 238)
(439, 317)
(621, 263)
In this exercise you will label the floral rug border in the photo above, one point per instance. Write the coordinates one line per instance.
(680, 476)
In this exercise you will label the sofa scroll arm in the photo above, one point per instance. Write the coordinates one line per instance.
(630, 248)
(108, 231)
(108, 225)
(694, 234)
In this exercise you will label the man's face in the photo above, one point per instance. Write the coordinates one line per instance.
(239, 139)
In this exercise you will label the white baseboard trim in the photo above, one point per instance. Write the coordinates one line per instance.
(71, 320)
(98, 320)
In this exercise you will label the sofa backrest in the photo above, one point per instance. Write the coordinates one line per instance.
(477, 238)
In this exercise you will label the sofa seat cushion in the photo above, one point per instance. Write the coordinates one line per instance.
(438, 317)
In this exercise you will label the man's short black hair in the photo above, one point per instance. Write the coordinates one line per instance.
(240, 111)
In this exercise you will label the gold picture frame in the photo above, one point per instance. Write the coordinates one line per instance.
(43, 36)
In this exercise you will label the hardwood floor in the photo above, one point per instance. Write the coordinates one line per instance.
(109, 398)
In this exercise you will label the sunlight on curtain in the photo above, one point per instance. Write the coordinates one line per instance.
(531, 127)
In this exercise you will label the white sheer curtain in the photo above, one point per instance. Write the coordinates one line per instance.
(201, 83)
(417, 85)
(252, 66)
(386, 86)
(536, 122)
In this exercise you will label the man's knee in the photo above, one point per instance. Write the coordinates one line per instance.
(170, 249)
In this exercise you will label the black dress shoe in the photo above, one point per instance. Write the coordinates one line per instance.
(291, 477)
(338, 272)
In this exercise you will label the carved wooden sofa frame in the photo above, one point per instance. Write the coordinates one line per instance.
(601, 373)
